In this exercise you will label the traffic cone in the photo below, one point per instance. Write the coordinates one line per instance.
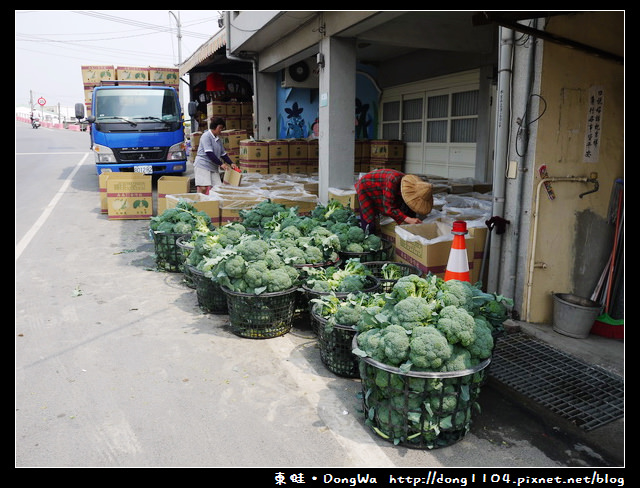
(458, 265)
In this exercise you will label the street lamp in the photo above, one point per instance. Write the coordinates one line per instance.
(180, 95)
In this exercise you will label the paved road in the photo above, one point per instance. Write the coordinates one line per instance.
(116, 365)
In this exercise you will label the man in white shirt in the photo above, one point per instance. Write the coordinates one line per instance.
(211, 156)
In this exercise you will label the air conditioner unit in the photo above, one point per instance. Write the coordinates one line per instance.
(303, 74)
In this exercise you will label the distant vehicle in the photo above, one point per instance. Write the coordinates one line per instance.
(137, 126)
(35, 122)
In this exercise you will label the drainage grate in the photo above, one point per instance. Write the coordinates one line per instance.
(587, 395)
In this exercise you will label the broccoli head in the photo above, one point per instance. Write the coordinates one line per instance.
(482, 347)
(429, 348)
(396, 344)
(457, 325)
(413, 309)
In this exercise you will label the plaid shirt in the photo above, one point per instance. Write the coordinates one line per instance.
(379, 193)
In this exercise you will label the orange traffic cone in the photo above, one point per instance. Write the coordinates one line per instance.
(458, 265)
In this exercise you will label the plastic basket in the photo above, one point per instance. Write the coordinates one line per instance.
(261, 316)
(371, 285)
(169, 257)
(302, 300)
(186, 246)
(335, 346)
(387, 284)
(211, 298)
(385, 253)
(421, 410)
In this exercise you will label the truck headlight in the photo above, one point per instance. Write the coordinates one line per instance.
(177, 152)
(103, 154)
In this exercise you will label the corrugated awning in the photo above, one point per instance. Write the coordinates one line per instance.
(208, 49)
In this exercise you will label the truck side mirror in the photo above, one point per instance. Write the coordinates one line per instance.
(193, 108)
(79, 111)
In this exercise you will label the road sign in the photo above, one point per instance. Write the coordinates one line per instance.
(41, 101)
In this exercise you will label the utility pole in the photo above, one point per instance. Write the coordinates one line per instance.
(179, 33)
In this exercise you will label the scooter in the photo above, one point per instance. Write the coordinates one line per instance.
(35, 123)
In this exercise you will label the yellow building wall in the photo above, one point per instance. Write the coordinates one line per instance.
(567, 78)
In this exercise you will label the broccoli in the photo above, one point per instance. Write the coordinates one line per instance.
(457, 325)
(354, 247)
(459, 360)
(252, 248)
(355, 234)
(255, 275)
(413, 309)
(415, 286)
(429, 348)
(278, 280)
(395, 341)
(347, 313)
(372, 243)
(313, 255)
(482, 346)
(291, 231)
(458, 293)
(370, 344)
(351, 283)
(235, 266)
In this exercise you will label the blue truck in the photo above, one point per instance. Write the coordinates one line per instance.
(136, 127)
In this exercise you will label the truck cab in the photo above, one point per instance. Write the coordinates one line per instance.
(136, 127)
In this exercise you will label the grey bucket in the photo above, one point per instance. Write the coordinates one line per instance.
(573, 316)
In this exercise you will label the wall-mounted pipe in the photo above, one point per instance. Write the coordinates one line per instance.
(531, 264)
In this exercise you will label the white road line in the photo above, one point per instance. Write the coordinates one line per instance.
(24, 242)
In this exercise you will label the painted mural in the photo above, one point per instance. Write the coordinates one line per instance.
(298, 110)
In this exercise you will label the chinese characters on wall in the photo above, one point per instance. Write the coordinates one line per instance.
(593, 130)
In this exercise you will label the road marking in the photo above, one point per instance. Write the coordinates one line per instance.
(24, 242)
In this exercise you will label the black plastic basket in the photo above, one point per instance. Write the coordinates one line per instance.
(371, 286)
(169, 257)
(186, 246)
(261, 316)
(335, 344)
(302, 300)
(385, 253)
(211, 298)
(387, 284)
(421, 410)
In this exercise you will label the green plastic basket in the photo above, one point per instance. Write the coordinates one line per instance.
(335, 345)
(210, 296)
(169, 256)
(421, 410)
(261, 316)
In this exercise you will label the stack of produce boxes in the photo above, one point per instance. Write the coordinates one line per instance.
(313, 156)
(91, 77)
(231, 139)
(298, 156)
(362, 156)
(278, 156)
(386, 154)
(254, 156)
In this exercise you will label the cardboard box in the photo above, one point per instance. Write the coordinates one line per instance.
(298, 151)
(132, 73)
(278, 169)
(129, 196)
(230, 207)
(387, 150)
(246, 123)
(209, 204)
(426, 247)
(95, 74)
(231, 139)
(233, 122)
(246, 108)
(256, 152)
(216, 109)
(102, 184)
(234, 108)
(169, 185)
(170, 76)
(305, 202)
(346, 196)
(313, 150)
(232, 178)
(388, 229)
(278, 151)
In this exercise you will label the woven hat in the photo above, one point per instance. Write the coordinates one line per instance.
(417, 194)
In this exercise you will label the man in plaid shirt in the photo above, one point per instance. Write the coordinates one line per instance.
(382, 192)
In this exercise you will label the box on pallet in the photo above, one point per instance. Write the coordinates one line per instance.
(426, 247)
(170, 185)
(209, 204)
(132, 73)
(93, 75)
(129, 196)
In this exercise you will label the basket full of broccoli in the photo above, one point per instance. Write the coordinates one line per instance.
(423, 353)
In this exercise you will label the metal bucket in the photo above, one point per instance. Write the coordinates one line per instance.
(573, 316)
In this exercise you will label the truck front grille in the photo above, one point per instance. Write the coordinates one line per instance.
(140, 154)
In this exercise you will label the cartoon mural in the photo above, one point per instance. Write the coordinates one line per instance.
(298, 110)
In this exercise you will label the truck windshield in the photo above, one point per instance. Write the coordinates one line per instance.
(134, 106)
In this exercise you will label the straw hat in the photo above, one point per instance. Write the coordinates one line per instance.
(417, 194)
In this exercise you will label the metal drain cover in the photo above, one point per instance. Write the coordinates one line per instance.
(587, 395)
